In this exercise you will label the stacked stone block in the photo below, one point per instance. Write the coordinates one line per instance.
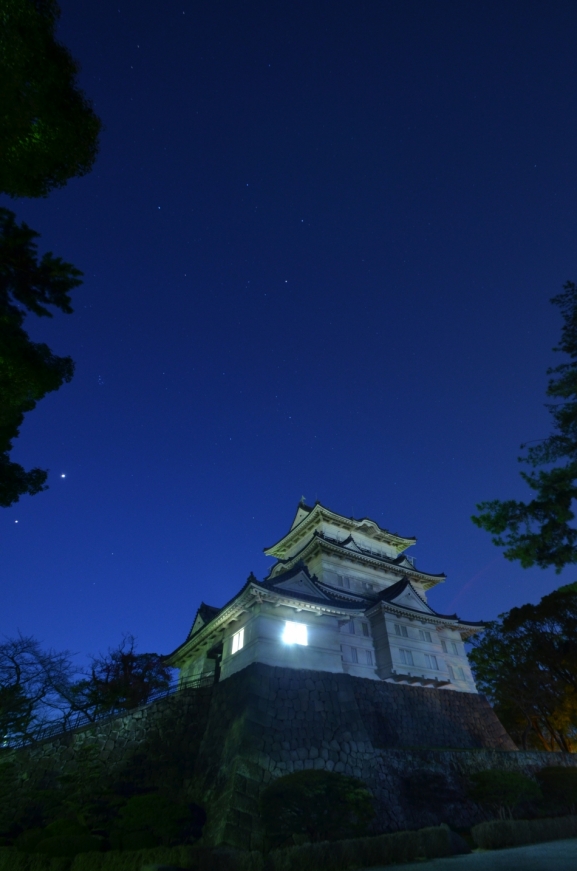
(227, 742)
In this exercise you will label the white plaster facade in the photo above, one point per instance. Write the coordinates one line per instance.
(362, 603)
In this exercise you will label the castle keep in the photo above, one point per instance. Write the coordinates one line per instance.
(335, 661)
(342, 597)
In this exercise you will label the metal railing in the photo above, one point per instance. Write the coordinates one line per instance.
(80, 720)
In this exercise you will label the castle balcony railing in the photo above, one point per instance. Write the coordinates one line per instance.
(80, 720)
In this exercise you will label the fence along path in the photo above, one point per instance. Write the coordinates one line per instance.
(79, 719)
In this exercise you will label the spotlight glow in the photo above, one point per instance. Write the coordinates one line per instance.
(295, 633)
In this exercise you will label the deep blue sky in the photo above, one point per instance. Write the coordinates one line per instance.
(319, 244)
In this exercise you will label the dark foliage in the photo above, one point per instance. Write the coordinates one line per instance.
(526, 663)
(559, 787)
(428, 789)
(502, 791)
(121, 680)
(28, 370)
(153, 819)
(541, 532)
(48, 130)
(316, 805)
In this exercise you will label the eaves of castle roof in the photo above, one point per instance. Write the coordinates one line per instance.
(320, 601)
(318, 598)
(398, 565)
(421, 610)
(306, 517)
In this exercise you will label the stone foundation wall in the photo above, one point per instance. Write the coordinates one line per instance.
(163, 736)
(414, 747)
(266, 722)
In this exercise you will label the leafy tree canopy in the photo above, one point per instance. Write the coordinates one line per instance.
(48, 129)
(541, 532)
(526, 663)
(28, 370)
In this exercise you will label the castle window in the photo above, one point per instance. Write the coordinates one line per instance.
(454, 648)
(401, 630)
(451, 671)
(237, 641)
(431, 662)
(295, 633)
(351, 627)
(365, 629)
(369, 657)
(354, 656)
(461, 673)
(406, 656)
(424, 635)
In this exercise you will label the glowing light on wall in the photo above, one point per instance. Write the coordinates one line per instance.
(237, 641)
(295, 633)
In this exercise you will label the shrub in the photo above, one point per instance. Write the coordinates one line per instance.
(28, 841)
(425, 789)
(11, 860)
(559, 786)
(152, 820)
(197, 859)
(362, 852)
(496, 834)
(319, 805)
(64, 828)
(69, 845)
(502, 791)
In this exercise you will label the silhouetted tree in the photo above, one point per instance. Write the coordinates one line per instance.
(48, 134)
(28, 370)
(34, 686)
(120, 680)
(48, 129)
(540, 532)
(526, 663)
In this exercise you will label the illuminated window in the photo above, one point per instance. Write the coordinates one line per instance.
(237, 641)
(295, 633)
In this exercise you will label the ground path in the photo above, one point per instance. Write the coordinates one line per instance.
(552, 856)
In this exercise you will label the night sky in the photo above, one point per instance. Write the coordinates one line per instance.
(319, 244)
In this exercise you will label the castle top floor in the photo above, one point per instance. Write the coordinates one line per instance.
(342, 551)
(368, 535)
